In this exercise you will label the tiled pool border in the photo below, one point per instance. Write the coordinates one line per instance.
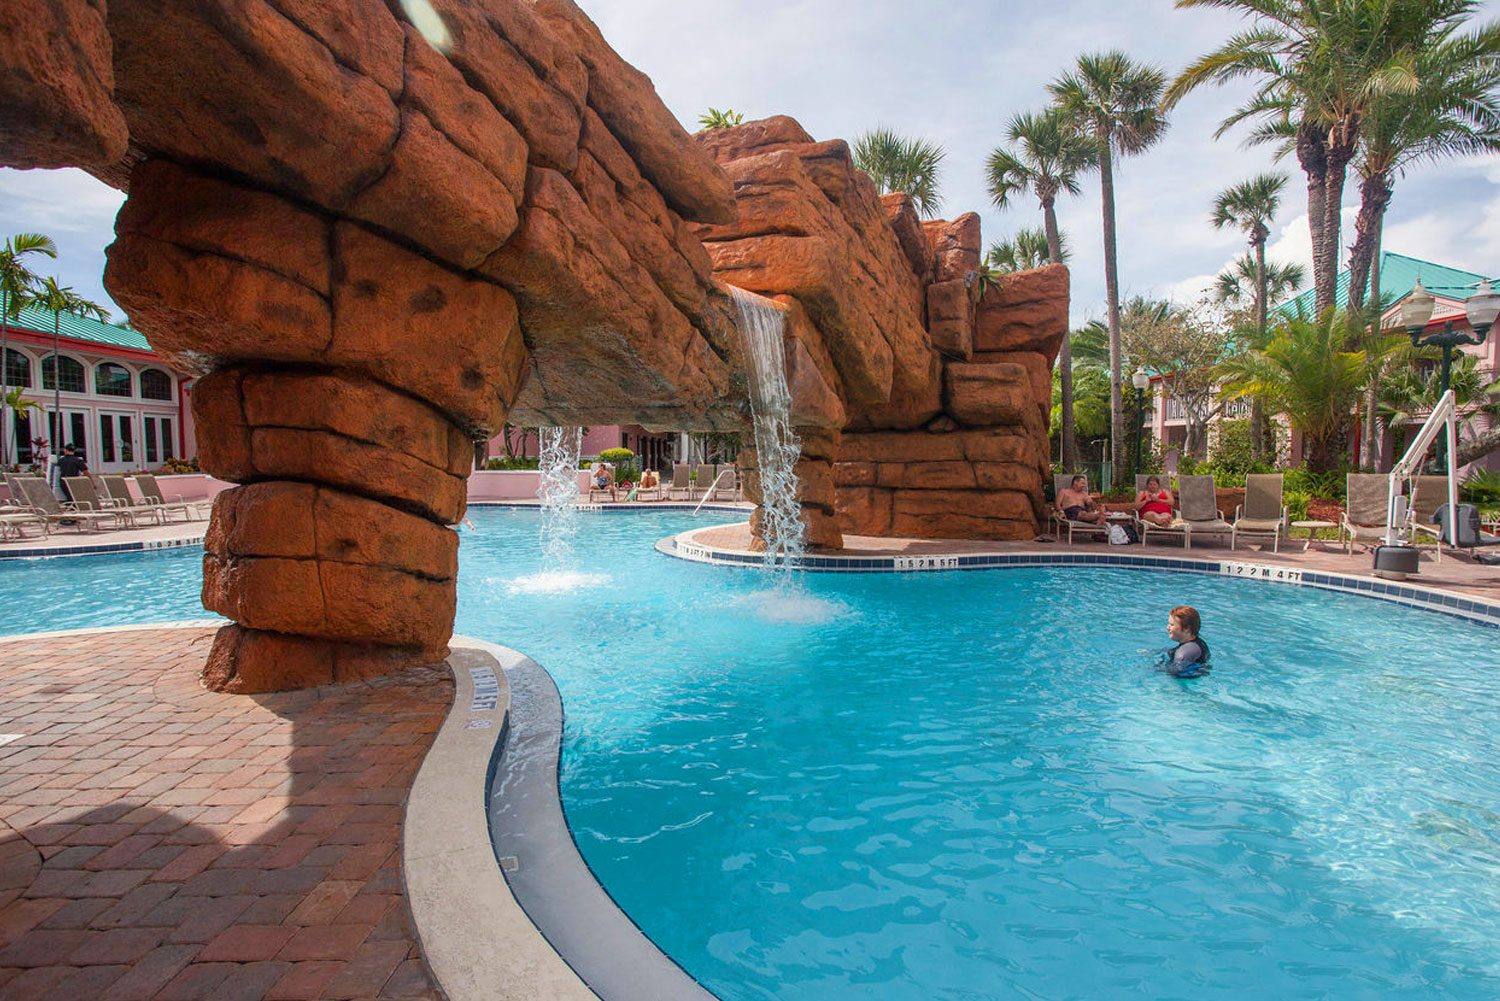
(683, 547)
(94, 549)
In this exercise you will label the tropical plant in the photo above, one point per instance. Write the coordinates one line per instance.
(898, 164)
(1025, 250)
(1184, 347)
(713, 118)
(1235, 285)
(16, 284)
(1320, 65)
(1046, 158)
(1113, 102)
(1305, 374)
(60, 299)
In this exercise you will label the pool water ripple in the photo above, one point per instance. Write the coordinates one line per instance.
(973, 786)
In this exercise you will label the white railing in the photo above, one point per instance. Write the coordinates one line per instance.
(711, 488)
(1444, 415)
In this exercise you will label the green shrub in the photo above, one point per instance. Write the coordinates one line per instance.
(505, 464)
(616, 455)
(1327, 485)
(1296, 502)
(1481, 488)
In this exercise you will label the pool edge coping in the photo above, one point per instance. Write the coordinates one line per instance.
(684, 546)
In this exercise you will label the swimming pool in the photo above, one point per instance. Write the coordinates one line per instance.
(971, 785)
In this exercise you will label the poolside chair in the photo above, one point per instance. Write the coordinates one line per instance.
(680, 482)
(722, 480)
(641, 493)
(1143, 527)
(86, 498)
(1262, 512)
(1366, 499)
(1060, 483)
(40, 497)
(16, 514)
(151, 492)
(1467, 532)
(1200, 509)
(1428, 493)
(123, 500)
(705, 473)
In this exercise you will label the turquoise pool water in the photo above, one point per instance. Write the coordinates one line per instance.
(971, 785)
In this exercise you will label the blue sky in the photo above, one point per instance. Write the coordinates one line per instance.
(953, 74)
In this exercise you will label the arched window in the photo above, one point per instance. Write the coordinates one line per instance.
(17, 369)
(72, 374)
(112, 380)
(155, 384)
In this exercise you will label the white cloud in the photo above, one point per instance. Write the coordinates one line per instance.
(77, 211)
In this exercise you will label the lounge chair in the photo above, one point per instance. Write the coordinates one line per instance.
(1060, 483)
(151, 492)
(1428, 493)
(16, 514)
(1367, 499)
(86, 498)
(641, 493)
(1200, 509)
(1262, 512)
(39, 495)
(1467, 533)
(1143, 527)
(120, 496)
(681, 483)
(721, 480)
(703, 480)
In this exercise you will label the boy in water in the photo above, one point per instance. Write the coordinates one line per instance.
(1189, 658)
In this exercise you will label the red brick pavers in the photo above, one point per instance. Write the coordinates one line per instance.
(163, 843)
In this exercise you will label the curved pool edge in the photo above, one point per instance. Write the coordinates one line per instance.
(488, 857)
(685, 546)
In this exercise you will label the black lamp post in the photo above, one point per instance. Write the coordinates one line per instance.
(1140, 380)
(1481, 308)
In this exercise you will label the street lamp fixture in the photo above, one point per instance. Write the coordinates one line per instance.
(1140, 380)
(1481, 308)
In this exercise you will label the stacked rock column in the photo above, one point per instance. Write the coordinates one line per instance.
(346, 378)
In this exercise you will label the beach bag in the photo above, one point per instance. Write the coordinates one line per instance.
(1121, 535)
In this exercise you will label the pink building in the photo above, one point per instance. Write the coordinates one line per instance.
(120, 403)
(656, 449)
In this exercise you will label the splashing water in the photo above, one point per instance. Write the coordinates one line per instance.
(558, 490)
(776, 445)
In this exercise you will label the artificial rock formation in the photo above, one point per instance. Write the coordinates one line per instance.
(375, 245)
(928, 412)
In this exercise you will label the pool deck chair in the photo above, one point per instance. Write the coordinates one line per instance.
(1143, 527)
(16, 514)
(1428, 493)
(151, 491)
(1060, 483)
(86, 498)
(40, 497)
(704, 472)
(1467, 533)
(120, 497)
(680, 482)
(1200, 509)
(1262, 512)
(1366, 497)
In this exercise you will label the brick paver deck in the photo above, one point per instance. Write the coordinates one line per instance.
(162, 842)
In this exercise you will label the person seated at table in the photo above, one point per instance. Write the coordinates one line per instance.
(1154, 504)
(1076, 504)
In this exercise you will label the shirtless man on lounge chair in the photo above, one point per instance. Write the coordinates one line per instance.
(1076, 504)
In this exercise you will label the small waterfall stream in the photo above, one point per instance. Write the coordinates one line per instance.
(558, 490)
(776, 445)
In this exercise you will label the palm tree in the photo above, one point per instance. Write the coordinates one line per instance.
(1305, 374)
(895, 163)
(1026, 250)
(60, 299)
(1237, 284)
(16, 282)
(1321, 64)
(1046, 158)
(1113, 102)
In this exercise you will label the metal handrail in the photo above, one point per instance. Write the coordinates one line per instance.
(710, 491)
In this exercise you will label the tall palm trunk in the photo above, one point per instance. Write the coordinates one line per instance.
(1374, 196)
(1371, 439)
(1341, 149)
(56, 446)
(4, 378)
(1312, 155)
(1112, 295)
(1065, 355)
(1257, 408)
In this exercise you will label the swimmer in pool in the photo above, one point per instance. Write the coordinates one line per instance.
(1189, 658)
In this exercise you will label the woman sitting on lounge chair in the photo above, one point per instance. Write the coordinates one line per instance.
(603, 479)
(1154, 504)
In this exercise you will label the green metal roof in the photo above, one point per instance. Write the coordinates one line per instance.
(81, 328)
(1398, 276)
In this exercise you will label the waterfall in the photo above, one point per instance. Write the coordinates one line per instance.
(776, 445)
(558, 468)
